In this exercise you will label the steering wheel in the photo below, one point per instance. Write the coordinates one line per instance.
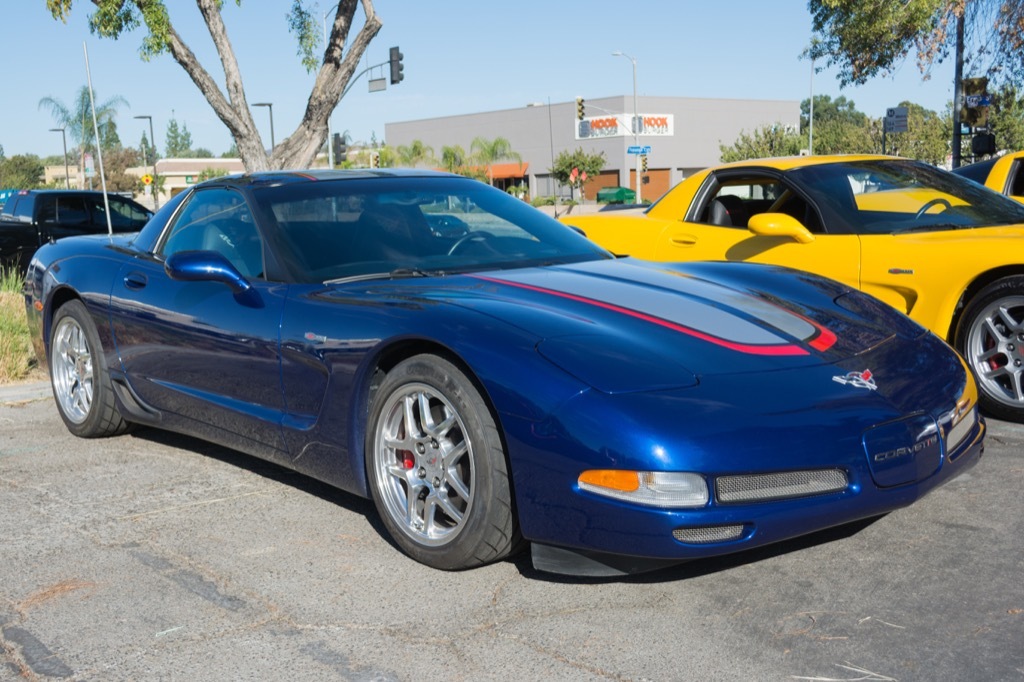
(934, 202)
(467, 238)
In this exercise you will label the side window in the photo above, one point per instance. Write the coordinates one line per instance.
(22, 209)
(47, 212)
(735, 199)
(123, 214)
(1017, 179)
(72, 212)
(217, 220)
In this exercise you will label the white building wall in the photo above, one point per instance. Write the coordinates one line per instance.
(539, 132)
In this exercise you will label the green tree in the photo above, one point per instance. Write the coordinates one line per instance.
(582, 162)
(839, 128)
(147, 150)
(453, 158)
(209, 173)
(335, 67)
(414, 154)
(766, 141)
(1006, 118)
(116, 163)
(867, 38)
(21, 171)
(178, 140)
(386, 157)
(489, 152)
(926, 139)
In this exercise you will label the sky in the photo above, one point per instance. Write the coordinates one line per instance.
(460, 57)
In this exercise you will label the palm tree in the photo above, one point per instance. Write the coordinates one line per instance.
(453, 158)
(417, 152)
(489, 152)
(78, 124)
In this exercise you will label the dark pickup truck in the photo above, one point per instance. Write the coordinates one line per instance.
(30, 218)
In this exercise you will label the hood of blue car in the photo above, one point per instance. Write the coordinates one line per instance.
(625, 325)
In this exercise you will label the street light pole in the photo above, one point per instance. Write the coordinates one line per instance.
(152, 146)
(635, 124)
(270, 106)
(67, 171)
(330, 147)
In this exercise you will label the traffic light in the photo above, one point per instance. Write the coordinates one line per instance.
(579, 109)
(643, 163)
(374, 160)
(983, 144)
(340, 148)
(396, 66)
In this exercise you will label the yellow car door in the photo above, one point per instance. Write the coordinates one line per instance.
(752, 215)
(776, 238)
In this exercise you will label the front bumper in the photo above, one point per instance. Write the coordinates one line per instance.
(621, 541)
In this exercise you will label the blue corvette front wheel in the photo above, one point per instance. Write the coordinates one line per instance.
(437, 468)
(81, 384)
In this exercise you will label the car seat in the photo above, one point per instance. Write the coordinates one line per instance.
(238, 241)
(728, 210)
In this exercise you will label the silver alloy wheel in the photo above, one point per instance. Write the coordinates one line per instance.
(995, 349)
(424, 462)
(72, 369)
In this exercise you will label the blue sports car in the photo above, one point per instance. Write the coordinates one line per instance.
(492, 379)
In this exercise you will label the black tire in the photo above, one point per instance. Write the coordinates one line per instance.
(445, 496)
(990, 336)
(79, 377)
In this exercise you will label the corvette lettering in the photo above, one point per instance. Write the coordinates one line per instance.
(907, 451)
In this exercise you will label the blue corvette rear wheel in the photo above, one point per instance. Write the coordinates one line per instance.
(437, 468)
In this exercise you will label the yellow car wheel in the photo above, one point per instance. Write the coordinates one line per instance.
(990, 336)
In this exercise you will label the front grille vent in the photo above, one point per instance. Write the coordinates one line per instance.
(779, 486)
(707, 534)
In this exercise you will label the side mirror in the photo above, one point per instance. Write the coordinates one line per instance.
(205, 266)
(779, 225)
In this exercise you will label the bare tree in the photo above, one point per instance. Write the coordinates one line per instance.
(112, 18)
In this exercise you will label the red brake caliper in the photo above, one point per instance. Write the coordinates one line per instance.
(407, 461)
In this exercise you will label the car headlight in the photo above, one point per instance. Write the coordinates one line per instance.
(960, 429)
(655, 488)
(963, 417)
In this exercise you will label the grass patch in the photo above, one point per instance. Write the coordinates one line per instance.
(17, 358)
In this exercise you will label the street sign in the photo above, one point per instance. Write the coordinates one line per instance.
(639, 149)
(975, 101)
(895, 120)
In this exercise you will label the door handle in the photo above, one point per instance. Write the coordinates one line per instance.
(135, 280)
(683, 239)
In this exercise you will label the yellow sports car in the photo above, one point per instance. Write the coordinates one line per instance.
(943, 249)
(1004, 174)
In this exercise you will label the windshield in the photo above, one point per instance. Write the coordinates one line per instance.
(891, 196)
(406, 226)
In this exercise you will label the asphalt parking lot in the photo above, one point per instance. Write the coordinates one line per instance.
(158, 557)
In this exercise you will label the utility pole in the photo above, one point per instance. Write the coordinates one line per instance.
(958, 91)
(635, 126)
